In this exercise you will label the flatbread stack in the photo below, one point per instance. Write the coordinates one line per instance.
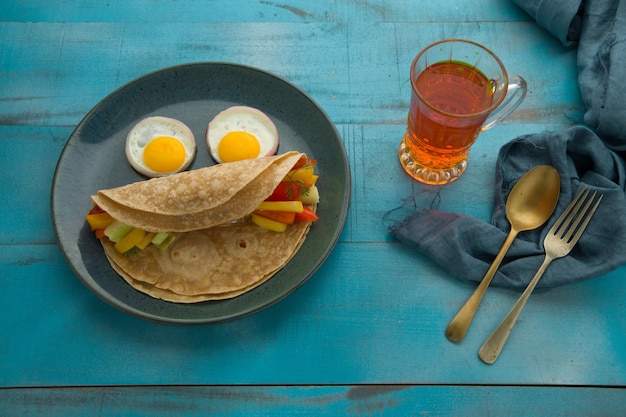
(217, 253)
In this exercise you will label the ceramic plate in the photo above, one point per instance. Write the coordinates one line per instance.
(94, 159)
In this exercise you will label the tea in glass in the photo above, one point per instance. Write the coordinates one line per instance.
(459, 89)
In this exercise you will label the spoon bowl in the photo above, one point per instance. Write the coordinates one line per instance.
(529, 205)
(533, 199)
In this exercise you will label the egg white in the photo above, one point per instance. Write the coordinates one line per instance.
(246, 119)
(150, 128)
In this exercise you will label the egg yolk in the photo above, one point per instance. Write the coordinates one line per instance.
(238, 145)
(164, 154)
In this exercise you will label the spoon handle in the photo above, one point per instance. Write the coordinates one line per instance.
(460, 323)
(490, 350)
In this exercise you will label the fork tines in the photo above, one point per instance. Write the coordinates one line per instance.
(573, 215)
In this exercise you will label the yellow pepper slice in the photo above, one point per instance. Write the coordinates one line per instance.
(305, 174)
(268, 223)
(147, 239)
(293, 206)
(99, 220)
(130, 240)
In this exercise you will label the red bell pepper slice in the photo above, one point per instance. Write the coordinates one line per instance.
(306, 216)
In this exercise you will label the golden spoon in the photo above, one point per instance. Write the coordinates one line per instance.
(529, 205)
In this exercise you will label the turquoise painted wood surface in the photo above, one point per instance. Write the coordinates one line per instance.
(365, 336)
(319, 401)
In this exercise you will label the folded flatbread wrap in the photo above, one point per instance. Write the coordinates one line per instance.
(210, 259)
(197, 199)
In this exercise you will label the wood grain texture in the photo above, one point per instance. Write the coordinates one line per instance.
(319, 401)
(355, 321)
(365, 336)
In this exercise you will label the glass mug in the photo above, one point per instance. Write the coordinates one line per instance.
(459, 89)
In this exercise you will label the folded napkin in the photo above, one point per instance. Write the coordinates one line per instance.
(466, 246)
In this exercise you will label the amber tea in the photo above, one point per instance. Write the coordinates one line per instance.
(452, 101)
(448, 88)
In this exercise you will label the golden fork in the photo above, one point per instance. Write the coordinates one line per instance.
(559, 241)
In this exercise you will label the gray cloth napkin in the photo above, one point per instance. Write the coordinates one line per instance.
(591, 154)
(598, 28)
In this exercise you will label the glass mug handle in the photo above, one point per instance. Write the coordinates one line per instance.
(516, 91)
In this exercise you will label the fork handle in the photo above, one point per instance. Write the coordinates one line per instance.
(490, 350)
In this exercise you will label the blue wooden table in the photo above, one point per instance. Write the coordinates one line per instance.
(365, 335)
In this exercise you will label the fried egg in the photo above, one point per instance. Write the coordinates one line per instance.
(159, 146)
(241, 132)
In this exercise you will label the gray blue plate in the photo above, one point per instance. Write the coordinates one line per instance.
(94, 159)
